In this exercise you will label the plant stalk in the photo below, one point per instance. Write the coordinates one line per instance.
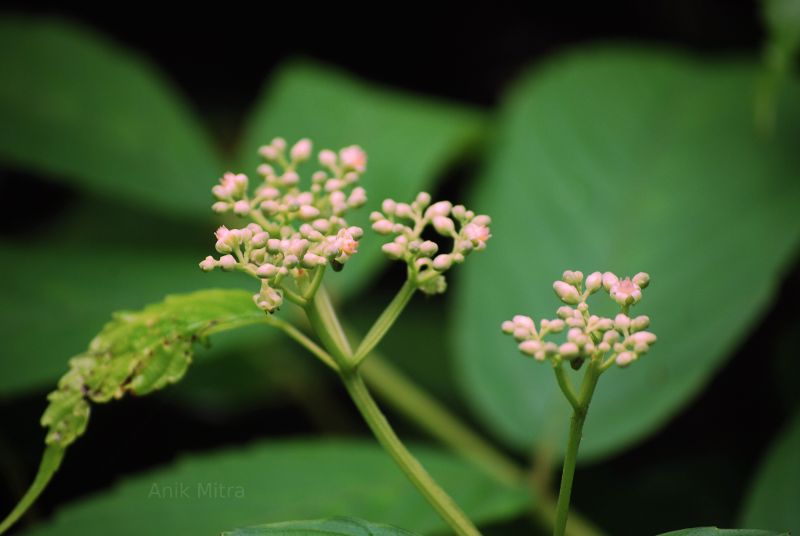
(573, 443)
(422, 480)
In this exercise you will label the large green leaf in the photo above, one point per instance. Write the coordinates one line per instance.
(627, 160)
(271, 482)
(82, 110)
(714, 531)
(335, 526)
(775, 493)
(410, 141)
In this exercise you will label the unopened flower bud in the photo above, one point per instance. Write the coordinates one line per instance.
(267, 270)
(220, 207)
(383, 227)
(442, 262)
(565, 312)
(642, 279)
(354, 157)
(556, 326)
(530, 347)
(609, 279)
(327, 158)
(444, 225)
(507, 326)
(208, 264)
(594, 282)
(569, 350)
(441, 208)
(625, 358)
(392, 250)
(428, 248)
(566, 292)
(573, 278)
(227, 262)
(241, 208)
(423, 199)
(622, 322)
(301, 150)
(389, 206)
(640, 322)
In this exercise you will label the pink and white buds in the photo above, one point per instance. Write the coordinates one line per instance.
(566, 292)
(301, 150)
(354, 157)
(327, 158)
(227, 262)
(594, 281)
(642, 279)
(208, 264)
(600, 340)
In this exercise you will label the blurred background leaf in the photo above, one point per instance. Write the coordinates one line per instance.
(627, 160)
(775, 495)
(77, 108)
(280, 480)
(336, 526)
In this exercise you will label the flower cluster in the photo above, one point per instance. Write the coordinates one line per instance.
(407, 221)
(588, 336)
(294, 231)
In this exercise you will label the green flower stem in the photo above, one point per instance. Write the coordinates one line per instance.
(304, 341)
(325, 324)
(566, 385)
(385, 321)
(573, 442)
(435, 495)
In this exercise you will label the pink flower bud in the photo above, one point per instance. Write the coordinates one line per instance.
(269, 152)
(566, 292)
(594, 282)
(266, 270)
(428, 248)
(507, 326)
(354, 157)
(392, 250)
(442, 262)
(441, 208)
(622, 322)
(609, 279)
(444, 225)
(307, 212)
(301, 150)
(388, 206)
(227, 262)
(642, 279)
(556, 326)
(625, 358)
(241, 208)
(530, 347)
(220, 206)
(569, 350)
(327, 158)
(383, 227)
(573, 278)
(208, 264)
(640, 322)
(423, 199)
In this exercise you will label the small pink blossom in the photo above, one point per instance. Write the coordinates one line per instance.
(625, 292)
(354, 157)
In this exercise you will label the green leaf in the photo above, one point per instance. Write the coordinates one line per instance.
(335, 526)
(626, 160)
(269, 482)
(51, 461)
(141, 351)
(410, 140)
(714, 531)
(54, 297)
(775, 493)
(84, 111)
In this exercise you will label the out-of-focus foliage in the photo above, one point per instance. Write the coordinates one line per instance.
(335, 526)
(714, 531)
(782, 18)
(775, 495)
(82, 110)
(270, 482)
(627, 160)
